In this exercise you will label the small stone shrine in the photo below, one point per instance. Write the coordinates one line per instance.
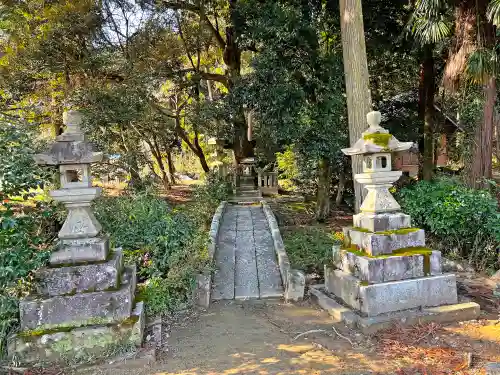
(384, 267)
(84, 307)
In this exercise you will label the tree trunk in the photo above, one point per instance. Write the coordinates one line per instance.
(323, 195)
(426, 109)
(242, 147)
(356, 79)
(340, 188)
(194, 146)
(463, 44)
(171, 168)
(135, 178)
(480, 166)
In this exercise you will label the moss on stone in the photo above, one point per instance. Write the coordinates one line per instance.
(359, 229)
(41, 332)
(387, 232)
(398, 231)
(379, 139)
(357, 251)
(364, 283)
(409, 251)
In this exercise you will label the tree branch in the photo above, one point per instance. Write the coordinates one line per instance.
(198, 10)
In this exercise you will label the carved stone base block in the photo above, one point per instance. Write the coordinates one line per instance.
(77, 345)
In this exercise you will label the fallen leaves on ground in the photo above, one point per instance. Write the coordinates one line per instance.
(410, 348)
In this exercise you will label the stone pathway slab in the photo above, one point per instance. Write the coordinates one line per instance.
(245, 257)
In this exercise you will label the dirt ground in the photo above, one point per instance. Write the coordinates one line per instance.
(272, 337)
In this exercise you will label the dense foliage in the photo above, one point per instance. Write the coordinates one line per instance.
(309, 248)
(167, 244)
(26, 228)
(461, 221)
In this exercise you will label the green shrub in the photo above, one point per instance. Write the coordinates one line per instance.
(26, 240)
(164, 243)
(309, 248)
(460, 221)
(207, 197)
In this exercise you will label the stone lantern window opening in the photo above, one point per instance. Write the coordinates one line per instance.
(75, 176)
(380, 162)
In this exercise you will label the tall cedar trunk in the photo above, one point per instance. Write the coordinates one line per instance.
(426, 109)
(480, 167)
(356, 79)
(323, 196)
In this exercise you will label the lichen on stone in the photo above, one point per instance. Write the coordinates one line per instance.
(379, 139)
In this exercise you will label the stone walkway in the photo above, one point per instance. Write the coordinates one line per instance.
(245, 258)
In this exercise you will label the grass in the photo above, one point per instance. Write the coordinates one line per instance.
(308, 248)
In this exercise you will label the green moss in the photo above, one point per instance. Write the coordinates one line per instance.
(398, 231)
(388, 232)
(364, 283)
(354, 249)
(359, 229)
(41, 332)
(409, 251)
(380, 139)
(130, 321)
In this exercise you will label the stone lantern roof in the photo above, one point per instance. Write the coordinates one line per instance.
(376, 139)
(71, 147)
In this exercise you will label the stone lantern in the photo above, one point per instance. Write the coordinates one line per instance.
(84, 306)
(385, 272)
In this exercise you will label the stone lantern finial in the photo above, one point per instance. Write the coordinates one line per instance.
(373, 118)
(72, 120)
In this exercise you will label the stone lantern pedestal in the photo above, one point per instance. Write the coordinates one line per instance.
(385, 272)
(84, 307)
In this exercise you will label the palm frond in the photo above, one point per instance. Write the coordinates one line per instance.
(429, 6)
(481, 64)
(494, 12)
(430, 30)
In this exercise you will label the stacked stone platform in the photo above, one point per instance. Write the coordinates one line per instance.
(384, 269)
(84, 307)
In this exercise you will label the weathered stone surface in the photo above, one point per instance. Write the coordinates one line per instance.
(439, 314)
(80, 309)
(380, 244)
(379, 270)
(246, 283)
(382, 222)
(492, 368)
(80, 223)
(296, 281)
(81, 251)
(435, 263)
(79, 344)
(379, 199)
(407, 294)
(371, 324)
(391, 296)
(79, 279)
(343, 285)
(338, 312)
